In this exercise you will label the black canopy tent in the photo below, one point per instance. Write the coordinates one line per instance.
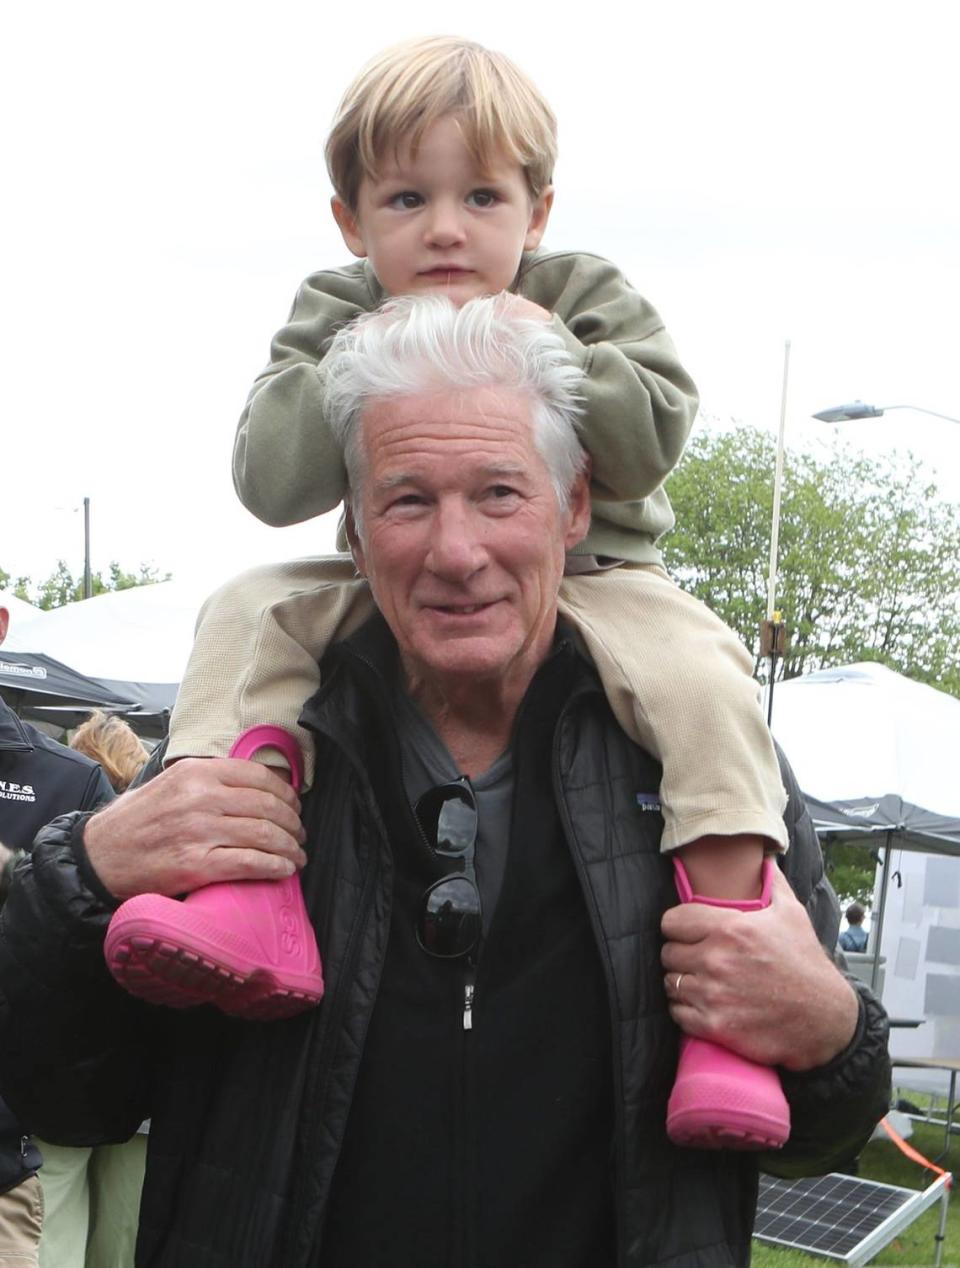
(39, 688)
(888, 823)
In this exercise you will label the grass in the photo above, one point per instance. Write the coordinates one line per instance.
(883, 1161)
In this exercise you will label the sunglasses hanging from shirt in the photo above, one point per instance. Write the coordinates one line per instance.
(449, 922)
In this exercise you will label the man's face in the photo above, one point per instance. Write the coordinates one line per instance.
(464, 540)
(435, 223)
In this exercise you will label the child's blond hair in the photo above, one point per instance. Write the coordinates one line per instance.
(405, 89)
(113, 743)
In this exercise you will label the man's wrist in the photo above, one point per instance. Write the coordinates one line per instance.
(88, 873)
(840, 1015)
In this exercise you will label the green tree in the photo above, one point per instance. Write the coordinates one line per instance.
(18, 586)
(852, 870)
(869, 554)
(62, 587)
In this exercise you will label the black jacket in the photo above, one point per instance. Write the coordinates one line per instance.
(248, 1120)
(39, 779)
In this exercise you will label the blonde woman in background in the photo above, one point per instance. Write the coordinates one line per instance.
(92, 1195)
(113, 743)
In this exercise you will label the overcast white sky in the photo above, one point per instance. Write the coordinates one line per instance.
(759, 171)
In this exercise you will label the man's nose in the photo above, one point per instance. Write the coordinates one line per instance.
(445, 224)
(456, 543)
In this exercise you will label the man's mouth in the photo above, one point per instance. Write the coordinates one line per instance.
(459, 609)
(444, 270)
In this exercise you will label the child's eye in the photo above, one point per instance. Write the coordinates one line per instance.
(482, 198)
(406, 200)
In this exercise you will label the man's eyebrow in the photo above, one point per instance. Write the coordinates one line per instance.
(387, 483)
(495, 470)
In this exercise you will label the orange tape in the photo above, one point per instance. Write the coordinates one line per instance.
(914, 1154)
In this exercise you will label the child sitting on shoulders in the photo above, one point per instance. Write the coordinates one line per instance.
(441, 157)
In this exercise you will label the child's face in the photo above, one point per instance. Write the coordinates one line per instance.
(437, 224)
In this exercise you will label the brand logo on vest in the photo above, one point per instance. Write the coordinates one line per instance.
(648, 801)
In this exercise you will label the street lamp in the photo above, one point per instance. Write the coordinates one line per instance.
(858, 410)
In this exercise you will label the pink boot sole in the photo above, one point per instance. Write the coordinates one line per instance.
(721, 1100)
(248, 947)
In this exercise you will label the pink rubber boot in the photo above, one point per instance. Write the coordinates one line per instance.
(248, 947)
(719, 1099)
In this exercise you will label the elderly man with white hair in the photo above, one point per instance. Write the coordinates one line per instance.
(485, 1081)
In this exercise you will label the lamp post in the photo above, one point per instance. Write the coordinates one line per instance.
(87, 579)
(858, 410)
(773, 631)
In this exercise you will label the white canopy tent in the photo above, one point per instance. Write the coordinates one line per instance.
(20, 611)
(136, 642)
(876, 757)
(143, 634)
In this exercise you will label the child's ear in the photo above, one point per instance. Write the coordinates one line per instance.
(539, 215)
(348, 226)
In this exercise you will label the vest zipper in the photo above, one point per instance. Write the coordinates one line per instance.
(466, 1242)
(469, 987)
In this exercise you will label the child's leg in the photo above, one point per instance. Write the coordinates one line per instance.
(247, 947)
(725, 867)
(679, 683)
(254, 661)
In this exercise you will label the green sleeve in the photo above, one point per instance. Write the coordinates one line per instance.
(286, 467)
(640, 402)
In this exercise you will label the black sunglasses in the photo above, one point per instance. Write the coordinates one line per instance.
(449, 923)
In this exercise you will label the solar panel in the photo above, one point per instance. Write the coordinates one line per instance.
(838, 1216)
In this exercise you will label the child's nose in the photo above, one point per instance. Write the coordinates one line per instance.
(445, 225)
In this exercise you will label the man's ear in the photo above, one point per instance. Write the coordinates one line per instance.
(348, 226)
(4, 623)
(579, 509)
(353, 539)
(539, 215)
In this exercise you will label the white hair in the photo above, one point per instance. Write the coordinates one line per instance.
(416, 345)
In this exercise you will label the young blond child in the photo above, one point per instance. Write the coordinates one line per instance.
(441, 157)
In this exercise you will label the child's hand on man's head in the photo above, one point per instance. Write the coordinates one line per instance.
(519, 306)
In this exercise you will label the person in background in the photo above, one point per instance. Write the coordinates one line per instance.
(855, 937)
(92, 1195)
(113, 743)
(39, 780)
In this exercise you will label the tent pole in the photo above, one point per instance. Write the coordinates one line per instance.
(884, 884)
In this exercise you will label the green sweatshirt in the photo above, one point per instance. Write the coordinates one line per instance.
(640, 402)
